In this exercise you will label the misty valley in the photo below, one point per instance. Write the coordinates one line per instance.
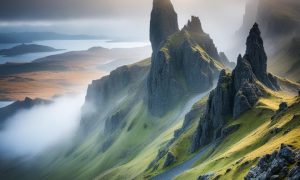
(154, 90)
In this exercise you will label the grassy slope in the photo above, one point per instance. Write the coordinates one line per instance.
(241, 150)
(137, 167)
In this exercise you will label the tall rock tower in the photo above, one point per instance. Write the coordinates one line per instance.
(256, 55)
(163, 23)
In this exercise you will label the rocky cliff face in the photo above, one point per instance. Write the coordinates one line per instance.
(102, 93)
(187, 62)
(163, 22)
(236, 92)
(256, 55)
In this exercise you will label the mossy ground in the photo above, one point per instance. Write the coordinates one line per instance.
(233, 158)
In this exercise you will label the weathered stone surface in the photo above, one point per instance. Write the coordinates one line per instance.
(279, 165)
(182, 61)
(177, 70)
(256, 55)
(205, 177)
(194, 25)
(236, 93)
(219, 105)
(169, 160)
(282, 108)
(163, 23)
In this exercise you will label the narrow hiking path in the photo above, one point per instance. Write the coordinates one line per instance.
(177, 170)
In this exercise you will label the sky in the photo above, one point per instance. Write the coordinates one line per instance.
(120, 19)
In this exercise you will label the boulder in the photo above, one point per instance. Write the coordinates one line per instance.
(170, 159)
(283, 106)
(279, 165)
(183, 65)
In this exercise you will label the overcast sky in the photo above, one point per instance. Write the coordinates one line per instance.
(116, 18)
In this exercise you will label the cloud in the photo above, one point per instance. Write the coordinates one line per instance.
(69, 9)
(118, 19)
(33, 131)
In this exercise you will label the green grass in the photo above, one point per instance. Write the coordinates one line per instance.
(241, 150)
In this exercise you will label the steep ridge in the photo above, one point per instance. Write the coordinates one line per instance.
(107, 93)
(236, 92)
(187, 62)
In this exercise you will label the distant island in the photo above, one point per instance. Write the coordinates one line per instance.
(29, 37)
(27, 48)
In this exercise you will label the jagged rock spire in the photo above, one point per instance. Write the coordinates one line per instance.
(194, 25)
(163, 23)
(255, 52)
(256, 55)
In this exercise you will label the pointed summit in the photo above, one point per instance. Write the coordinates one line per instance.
(194, 25)
(256, 55)
(163, 23)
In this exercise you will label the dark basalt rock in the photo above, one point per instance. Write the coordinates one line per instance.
(235, 93)
(278, 165)
(282, 108)
(163, 23)
(194, 28)
(205, 177)
(182, 61)
(194, 25)
(169, 160)
(256, 55)
(219, 105)
(176, 71)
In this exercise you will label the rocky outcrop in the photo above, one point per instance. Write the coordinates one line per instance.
(115, 122)
(186, 63)
(282, 164)
(219, 106)
(246, 90)
(169, 160)
(163, 23)
(106, 92)
(235, 93)
(282, 108)
(194, 25)
(256, 55)
(205, 177)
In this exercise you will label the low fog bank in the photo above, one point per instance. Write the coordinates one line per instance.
(30, 132)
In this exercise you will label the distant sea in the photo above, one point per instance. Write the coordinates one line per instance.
(67, 45)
